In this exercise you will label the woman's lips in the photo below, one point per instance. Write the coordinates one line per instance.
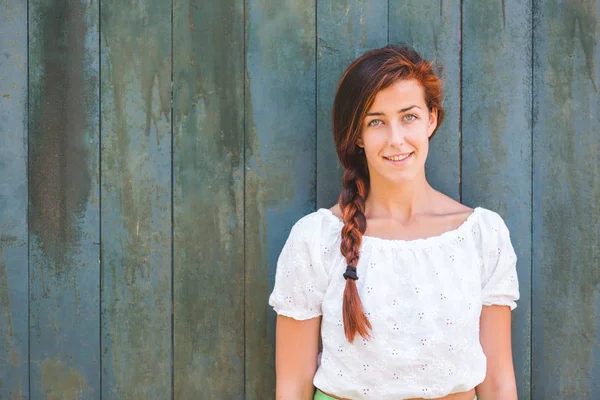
(399, 159)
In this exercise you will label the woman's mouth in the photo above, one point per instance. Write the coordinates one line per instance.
(399, 159)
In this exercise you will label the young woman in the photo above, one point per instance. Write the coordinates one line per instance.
(409, 291)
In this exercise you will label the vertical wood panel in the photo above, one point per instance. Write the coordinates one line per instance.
(14, 352)
(209, 199)
(345, 29)
(566, 226)
(63, 199)
(496, 127)
(433, 28)
(280, 160)
(136, 199)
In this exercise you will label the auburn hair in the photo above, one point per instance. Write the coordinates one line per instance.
(356, 91)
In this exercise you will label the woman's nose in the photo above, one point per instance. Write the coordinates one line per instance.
(396, 134)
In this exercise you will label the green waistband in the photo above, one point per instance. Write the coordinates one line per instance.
(322, 396)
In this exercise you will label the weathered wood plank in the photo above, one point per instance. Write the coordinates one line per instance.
(433, 29)
(280, 160)
(63, 199)
(346, 29)
(136, 199)
(496, 138)
(566, 226)
(14, 352)
(208, 112)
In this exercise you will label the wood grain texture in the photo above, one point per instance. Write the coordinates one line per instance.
(14, 346)
(208, 110)
(63, 199)
(346, 29)
(433, 29)
(566, 207)
(136, 199)
(496, 139)
(280, 160)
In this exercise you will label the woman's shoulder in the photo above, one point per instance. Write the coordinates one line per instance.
(484, 217)
(316, 225)
(490, 219)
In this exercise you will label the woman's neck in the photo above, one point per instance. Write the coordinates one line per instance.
(400, 201)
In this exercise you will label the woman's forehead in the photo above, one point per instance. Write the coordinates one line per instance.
(399, 95)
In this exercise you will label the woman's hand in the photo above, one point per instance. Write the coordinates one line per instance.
(296, 351)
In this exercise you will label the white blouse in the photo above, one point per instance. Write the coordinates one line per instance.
(423, 298)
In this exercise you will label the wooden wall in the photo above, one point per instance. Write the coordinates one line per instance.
(155, 154)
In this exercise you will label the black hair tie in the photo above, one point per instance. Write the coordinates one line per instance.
(350, 273)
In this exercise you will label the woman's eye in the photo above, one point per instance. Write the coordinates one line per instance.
(375, 122)
(410, 117)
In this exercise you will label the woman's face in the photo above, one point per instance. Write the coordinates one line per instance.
(396, 131)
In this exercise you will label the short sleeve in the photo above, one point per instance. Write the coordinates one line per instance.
(499, 282)
(300, 279)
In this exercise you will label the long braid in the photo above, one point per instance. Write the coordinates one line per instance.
(352, 204)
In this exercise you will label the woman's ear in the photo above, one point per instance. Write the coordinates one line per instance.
(360, 143)
(433, 114)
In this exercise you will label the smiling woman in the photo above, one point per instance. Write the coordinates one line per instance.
(430, 316)
(398, 138)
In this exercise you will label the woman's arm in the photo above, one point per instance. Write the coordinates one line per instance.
(297, 348)
(495, 338)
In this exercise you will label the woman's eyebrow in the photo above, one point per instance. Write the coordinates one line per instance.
(372, 114)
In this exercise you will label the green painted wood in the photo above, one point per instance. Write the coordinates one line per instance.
(345, 29)
(566, 227)
(496, 139)
(433, 29)
(63, 199)
(136, 199)
(280, 160)
(14, 351)
(208, 196)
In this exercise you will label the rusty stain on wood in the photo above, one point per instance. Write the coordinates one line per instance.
(5, 310)
(60, 381)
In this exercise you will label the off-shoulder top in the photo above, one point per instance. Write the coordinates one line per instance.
(423, 298)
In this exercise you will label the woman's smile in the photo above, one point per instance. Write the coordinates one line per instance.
(398, 159)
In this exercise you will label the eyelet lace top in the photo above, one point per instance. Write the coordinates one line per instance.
(423, 298)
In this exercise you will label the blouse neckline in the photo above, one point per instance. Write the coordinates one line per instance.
(444, 237)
